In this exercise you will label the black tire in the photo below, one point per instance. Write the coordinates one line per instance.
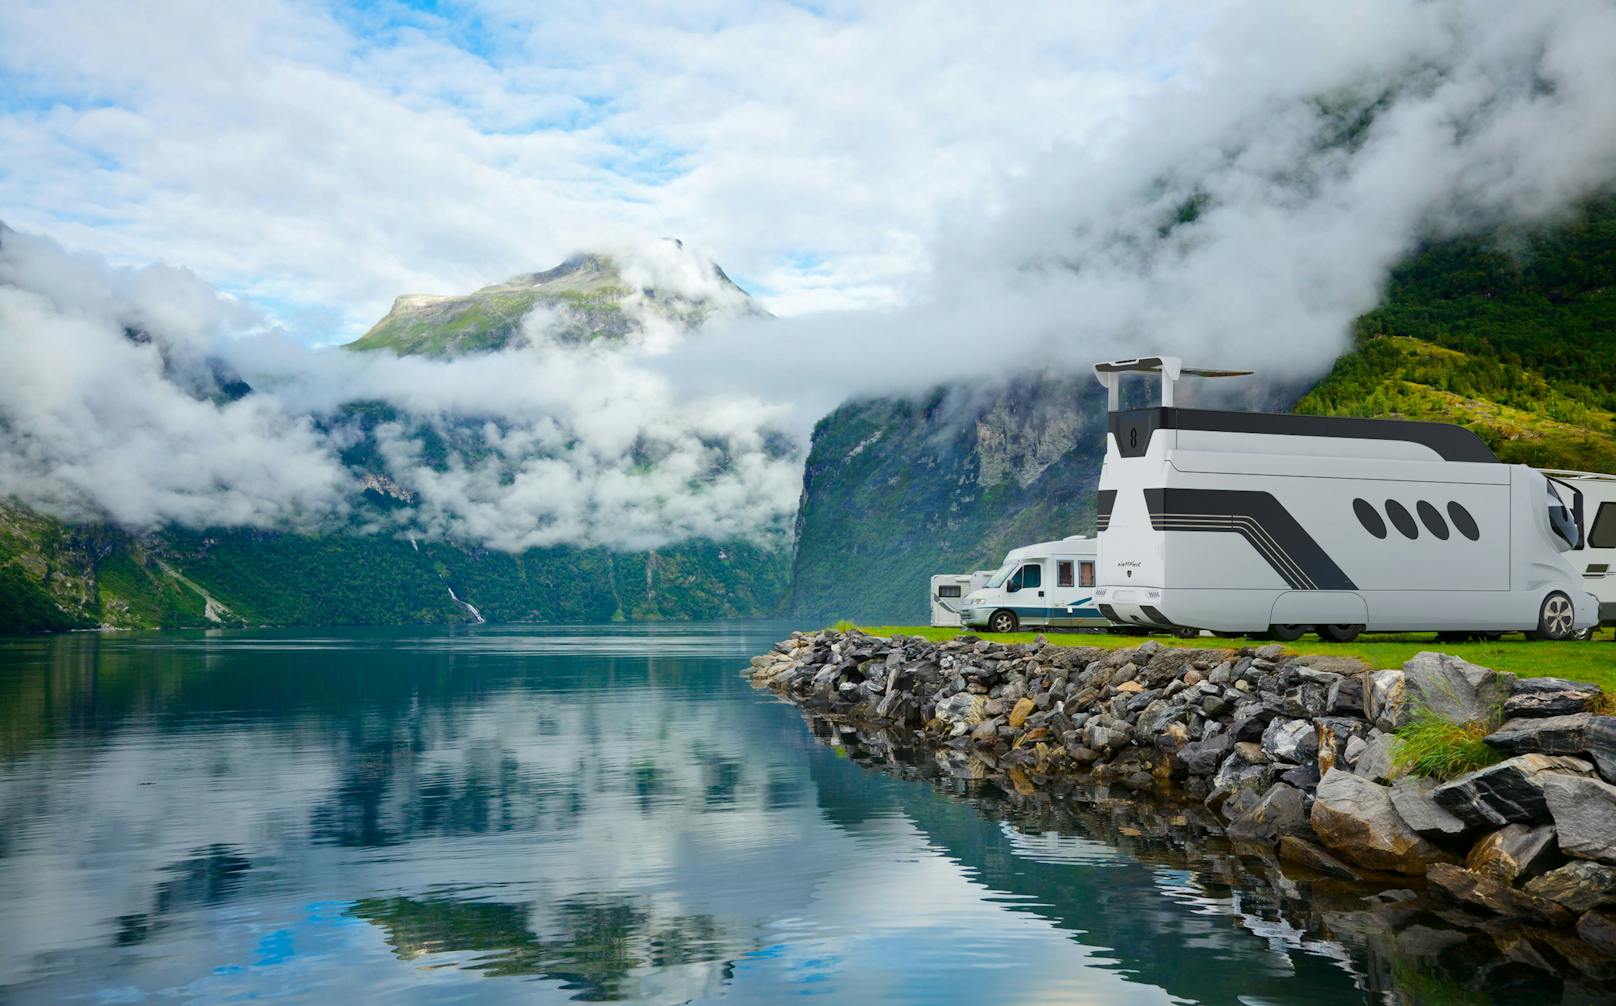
(1286, 633)
(1003, 620)
(1556, 618)
(1339, 633)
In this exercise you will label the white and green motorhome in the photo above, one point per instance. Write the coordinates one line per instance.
(949, 591)
(1047, 584)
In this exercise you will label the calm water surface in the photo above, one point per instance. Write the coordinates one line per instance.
(545, 815)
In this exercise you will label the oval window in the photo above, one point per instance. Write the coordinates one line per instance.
(1369, 517)
(1432, 519)
(1402, 519)
(1464, 522)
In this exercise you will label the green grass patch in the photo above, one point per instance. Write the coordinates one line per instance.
(1432, 747)
(1592, 661)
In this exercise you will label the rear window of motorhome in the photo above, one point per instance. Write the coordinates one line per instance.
(1603, 534)
(1063, 573)
(948, 590)
(1086, 572)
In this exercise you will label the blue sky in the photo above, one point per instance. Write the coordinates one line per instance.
(321, 158)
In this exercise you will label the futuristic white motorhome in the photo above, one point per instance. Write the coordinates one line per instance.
(1597, 556)
(1245, 522)
(1047, 584)
(948, 593)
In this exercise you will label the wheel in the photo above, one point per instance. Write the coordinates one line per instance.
(1003, 621)
(1556, 619)
(1286, 633)
(1340, 633)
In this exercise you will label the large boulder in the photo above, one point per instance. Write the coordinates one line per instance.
(1511, 791)
(1355, 818)
(1573, 733)
(1412, 798)
(1513, 853)
(1549, 697)
(1474, 890)
(1584, 812)
(1385, 699)
(1579, 885)
(1598, 929)
(1293, 741)
(1281, 811)
(1376, 761)
(1454, 689)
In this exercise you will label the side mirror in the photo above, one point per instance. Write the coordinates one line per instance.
(1012, 586)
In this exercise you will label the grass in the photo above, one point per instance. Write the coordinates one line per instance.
(1431, 746)
(1590, 661)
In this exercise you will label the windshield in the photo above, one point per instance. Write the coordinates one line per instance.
(1002, 575)
(1561, 520)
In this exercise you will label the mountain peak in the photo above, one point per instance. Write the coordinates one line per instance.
(592, 296)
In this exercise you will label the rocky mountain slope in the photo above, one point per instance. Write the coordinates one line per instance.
(589, 296)
(56, 575)
(1512, 335)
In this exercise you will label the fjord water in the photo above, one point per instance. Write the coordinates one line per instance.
(547, 815)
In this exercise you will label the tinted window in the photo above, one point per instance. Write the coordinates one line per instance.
(1063, 573)
(949, 590)
(1032, 576)
(1402, 519)
(1603, 534)
(1086, 570)
(1432, 519)
(1369, 517)
(1464, 522)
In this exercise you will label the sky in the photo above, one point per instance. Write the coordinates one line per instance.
(320, 159)
(923, 195)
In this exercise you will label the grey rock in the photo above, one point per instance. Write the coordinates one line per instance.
(1574, 733)
(1584, 812)
(1355, 748)
(1509, 791)
(1303, 777)
(1454, 689)
(1412, 798)
(1280, 811)
(1598, 929)
(1272, 651)
(1579, 885)
(1513, 853)
(1375, 762)
(1217, 706)
(1550, 697)
(1385, 699)
(1203, 757)
(1291, 740)
(1354, 818)
(1345, 697)
(1305, 700)
(1237, 775)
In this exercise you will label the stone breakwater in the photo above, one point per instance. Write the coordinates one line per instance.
(1294, 757)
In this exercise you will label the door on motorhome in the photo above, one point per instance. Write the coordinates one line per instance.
(1026, 589)
(1073, 593)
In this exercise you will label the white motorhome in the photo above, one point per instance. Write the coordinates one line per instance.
(1245, 522)
(1047, 584)
(1597, 556)
(948, 593)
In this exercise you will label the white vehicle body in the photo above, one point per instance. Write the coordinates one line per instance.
(1597, 556)
(1047, 584)
(948, 593)
(1250, 522)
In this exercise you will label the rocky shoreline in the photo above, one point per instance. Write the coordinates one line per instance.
(1290, 759)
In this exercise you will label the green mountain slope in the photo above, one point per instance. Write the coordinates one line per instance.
(1512, 335)
(587, 295)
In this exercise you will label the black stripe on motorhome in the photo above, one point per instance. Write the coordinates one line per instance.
(1133, 429)
(1102, 508)
(1259, 518)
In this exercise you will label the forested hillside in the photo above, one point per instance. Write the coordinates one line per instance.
(1512, 334)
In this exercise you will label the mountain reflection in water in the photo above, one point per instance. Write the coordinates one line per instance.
(596, 814)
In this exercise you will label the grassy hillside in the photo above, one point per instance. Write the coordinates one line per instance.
(1513, 336)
